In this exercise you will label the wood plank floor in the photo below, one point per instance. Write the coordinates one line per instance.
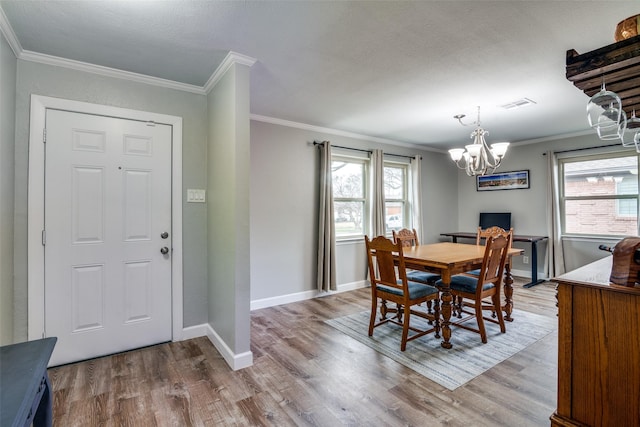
(305, 373)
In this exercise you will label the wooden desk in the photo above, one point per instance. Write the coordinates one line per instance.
(448, 259)
(598, 349)
(26, 395)
(516, 238)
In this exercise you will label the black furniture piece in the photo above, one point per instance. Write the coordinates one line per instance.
(516, 238)
(25, 391)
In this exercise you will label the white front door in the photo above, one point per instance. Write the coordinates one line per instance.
(107, 224)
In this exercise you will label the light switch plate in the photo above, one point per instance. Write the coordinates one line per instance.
(196, 196)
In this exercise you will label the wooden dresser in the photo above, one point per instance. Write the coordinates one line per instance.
(598, 349)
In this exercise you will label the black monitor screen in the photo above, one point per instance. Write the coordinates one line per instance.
(500, 219)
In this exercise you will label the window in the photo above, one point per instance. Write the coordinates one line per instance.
(395, 196)
(349, 196)
(599, 195)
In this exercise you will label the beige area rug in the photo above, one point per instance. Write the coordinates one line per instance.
(467, 359)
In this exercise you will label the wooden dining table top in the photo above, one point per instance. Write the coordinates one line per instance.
(447, 255)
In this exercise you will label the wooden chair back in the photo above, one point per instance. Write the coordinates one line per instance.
(406, 236)
(495, 257)
(381, 253)
(483, 234)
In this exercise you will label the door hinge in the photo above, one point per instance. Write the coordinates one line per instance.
(44, 135)
(44, 237)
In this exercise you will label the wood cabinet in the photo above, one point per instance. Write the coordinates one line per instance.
(598, 349)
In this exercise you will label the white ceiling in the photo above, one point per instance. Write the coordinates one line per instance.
(393, 70)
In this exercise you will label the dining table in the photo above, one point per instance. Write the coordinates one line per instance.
(448, 259)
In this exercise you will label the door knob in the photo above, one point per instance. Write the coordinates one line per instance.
(164, 250)
(164, 235)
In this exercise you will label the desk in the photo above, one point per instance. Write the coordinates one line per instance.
(448, 259)
(26, 395)
(516, 238)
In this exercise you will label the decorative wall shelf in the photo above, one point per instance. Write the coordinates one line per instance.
(618, 63)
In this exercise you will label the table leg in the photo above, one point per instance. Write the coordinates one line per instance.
(508, 293)
(534, 266)
(44, 414)
(445, 308)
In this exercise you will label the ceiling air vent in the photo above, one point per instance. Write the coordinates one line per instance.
(524, 102)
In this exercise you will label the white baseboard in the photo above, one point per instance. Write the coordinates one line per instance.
(302, 296)
(235, 361)
(521, 273)
(193, 332)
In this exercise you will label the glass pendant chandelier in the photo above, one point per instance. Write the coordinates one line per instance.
(606, 115)
(478, 158)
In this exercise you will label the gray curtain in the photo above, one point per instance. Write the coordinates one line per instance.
(377, 194)
(326, 232)
(415, 188)
(554, 265)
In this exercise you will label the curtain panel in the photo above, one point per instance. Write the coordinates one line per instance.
(326, 232)
(415, 192)
(554, 265)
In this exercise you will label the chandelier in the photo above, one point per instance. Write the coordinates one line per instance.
(478, 158)
(606, 115)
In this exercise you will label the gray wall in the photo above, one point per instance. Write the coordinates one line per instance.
(529, 207)
(34, 78)
(284, 199)
(8, 65)
(228, 210)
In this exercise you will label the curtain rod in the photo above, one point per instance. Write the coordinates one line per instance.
(367, 151)
(584, 148)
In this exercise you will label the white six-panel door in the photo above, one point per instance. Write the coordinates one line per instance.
(107, 219)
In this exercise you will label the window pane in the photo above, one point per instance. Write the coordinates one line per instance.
(394, 215)
(394, 182)
(600, 177)
(348, 218)
(348, 179)
(600, 217)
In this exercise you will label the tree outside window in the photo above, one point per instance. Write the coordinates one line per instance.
(349, 192)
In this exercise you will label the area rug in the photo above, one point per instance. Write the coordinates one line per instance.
(456, 366)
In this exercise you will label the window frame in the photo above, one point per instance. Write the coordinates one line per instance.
(366, 215)
(405, 201)
(563, 198)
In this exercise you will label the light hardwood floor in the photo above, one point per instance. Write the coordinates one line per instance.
(305, 373)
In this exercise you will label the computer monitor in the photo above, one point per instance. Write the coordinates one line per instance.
(500, 219)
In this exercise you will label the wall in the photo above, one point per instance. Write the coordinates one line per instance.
(228, 210)
(35, 78)
(528, 206)
(284, 200)
(8, 65)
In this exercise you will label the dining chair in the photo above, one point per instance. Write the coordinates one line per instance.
(470, 294)
(410, 238)
(482, 235)
(389, 283)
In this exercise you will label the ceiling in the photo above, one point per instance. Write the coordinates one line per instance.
(398, 71)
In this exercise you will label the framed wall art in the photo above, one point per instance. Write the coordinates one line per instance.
(515, 180)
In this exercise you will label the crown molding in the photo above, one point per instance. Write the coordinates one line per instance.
(337, 132)
(9, 34)
(108, 72)
(231, 59)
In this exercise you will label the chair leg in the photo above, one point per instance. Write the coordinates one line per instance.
(429, 311)
(405, 327)
(498, 312)
(372, 318)
(483, 331)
